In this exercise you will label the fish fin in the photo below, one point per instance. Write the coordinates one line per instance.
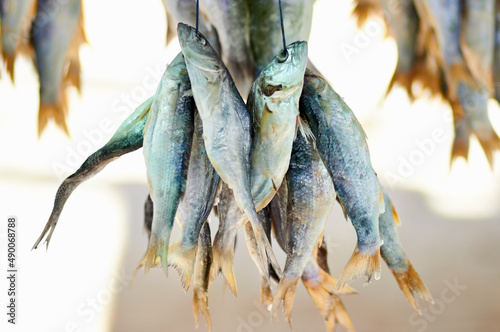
(409, 282)
(395, 216)
(56, 111)
(156, 255)
(286, 293)
(9, 60)
(360, 265)
(489, 144)
(266, 294)
(363, 9)
(305, 130)
(223, 262)
(183, 262)
(404, 80)
(329, 305)
(79, 38)
(200, 304)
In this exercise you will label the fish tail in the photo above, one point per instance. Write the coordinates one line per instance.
(9, 60)
(329, 305)
(363, 9)
(200, 304)
(73, 75)
(266, 251)
(490, 144)
(223, 262)
(461, 142)
(266, 294)
(286, 293)
(409, 282)
(404, 80)
(183, 261)
(56, 111)
(360, 265)
(156, 255)
(395, 217)
(456, 74)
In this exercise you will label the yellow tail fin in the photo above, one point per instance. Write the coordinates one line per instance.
(183, 261)
(358, 266)
(489, 144)
(200, 304)
(410, 282)
(55, 111)
(286, 293)
(364, 9)
(223, 262)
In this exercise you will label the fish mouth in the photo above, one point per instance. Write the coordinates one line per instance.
(196, 49)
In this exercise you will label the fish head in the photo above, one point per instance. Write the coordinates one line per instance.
(284, 75)
(197, 50)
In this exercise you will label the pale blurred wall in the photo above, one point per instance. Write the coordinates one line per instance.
(450, 219)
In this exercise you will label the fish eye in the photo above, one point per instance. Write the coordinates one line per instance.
(282, 56)
(270, 89)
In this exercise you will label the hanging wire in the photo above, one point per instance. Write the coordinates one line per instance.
(284, 53)
(198, 13)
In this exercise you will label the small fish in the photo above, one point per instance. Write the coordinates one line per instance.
(231, 19)
(52, 35)
(274, 106)
(194, 207)
(403, 24)
(266, 294)
(127, 138)
(226, 125)
(168, 135)
(465, 95)
(201, 276)
(265, 27)
(230, 222)
(15, 18)
(311, 196)
(316, 276)
(394, 255)
(341, 143)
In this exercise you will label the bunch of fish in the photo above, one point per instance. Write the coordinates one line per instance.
(275, 164)
(50, 32)
(452, 49)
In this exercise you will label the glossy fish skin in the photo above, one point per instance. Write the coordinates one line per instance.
(265, 39)
(127, 138)
(274, 105)
(202, 276)
(168, 136)
(231, 19)
(15, 18)
(395, 257)
(311, 196)
(403, 24)
(226, 125)
(341, 143)
(52, 34)
(194, 207)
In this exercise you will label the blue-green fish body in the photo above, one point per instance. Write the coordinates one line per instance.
(167, 144)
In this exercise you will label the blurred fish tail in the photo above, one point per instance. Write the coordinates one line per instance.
(55, 111)
(489, 144)
(364, 9)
